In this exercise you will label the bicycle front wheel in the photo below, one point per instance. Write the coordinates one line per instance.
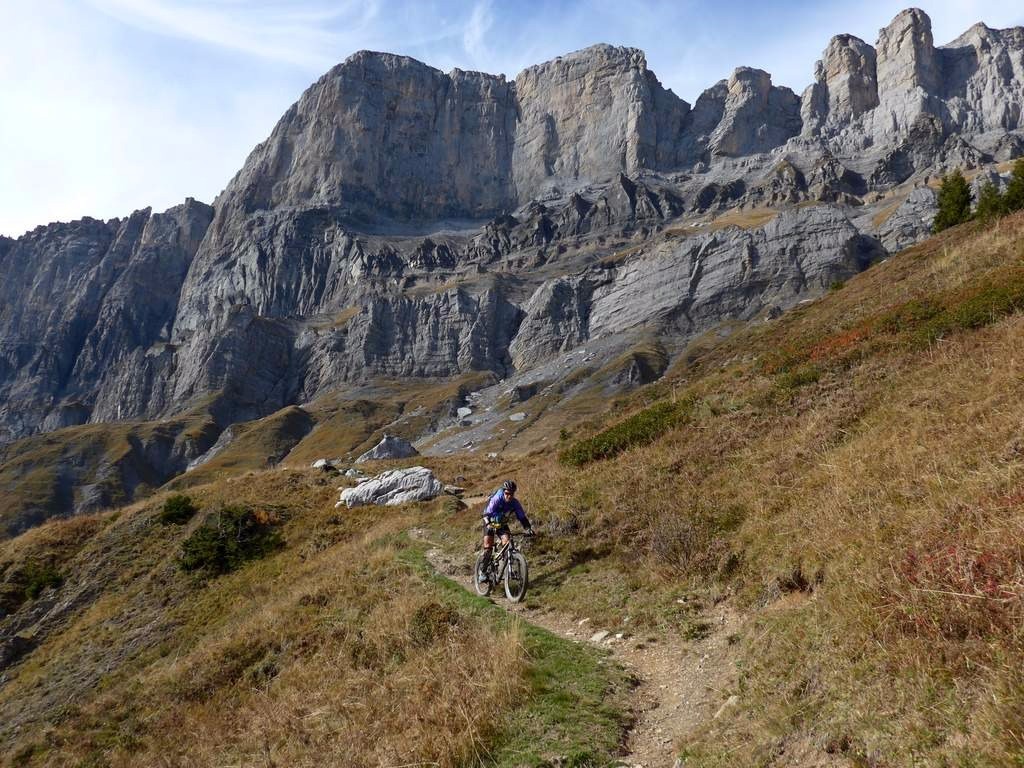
(516, 577)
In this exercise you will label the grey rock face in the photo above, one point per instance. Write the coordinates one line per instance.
(557, 319)
(757, 116)
(389, 447)
(846, 85)
(911, 222)
(439, 335)
(697, 282)
(907, 58)
(733, 273)
(591, 115)
(386, 133)
(86, 311)
(394, 487)
(984, 73)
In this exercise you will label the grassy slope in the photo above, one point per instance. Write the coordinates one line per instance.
(852, 474)
(341, 649)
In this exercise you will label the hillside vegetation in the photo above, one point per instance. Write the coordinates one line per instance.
(296, 636)
(849, 477)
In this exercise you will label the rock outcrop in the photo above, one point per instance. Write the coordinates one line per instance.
(86, 314)
(389, 447)
(756, 116)
(591, 115)
(394, 487)
(911, 221)
(846, 86)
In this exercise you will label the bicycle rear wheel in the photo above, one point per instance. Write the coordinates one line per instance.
(516, 577)
(483, 588)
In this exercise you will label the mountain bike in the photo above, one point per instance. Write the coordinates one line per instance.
(507, 564)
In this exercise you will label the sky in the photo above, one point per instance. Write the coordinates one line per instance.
(109, 106)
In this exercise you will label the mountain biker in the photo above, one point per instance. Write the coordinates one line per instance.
(499, 506)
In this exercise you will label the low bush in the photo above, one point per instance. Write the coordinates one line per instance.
(925, 320)
(231, 537)
(432, 621)
(177, 510)
(695, 540)
(799, 377)
(641, 428)
(38, 577)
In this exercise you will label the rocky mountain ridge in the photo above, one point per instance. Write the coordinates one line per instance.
(404, 222)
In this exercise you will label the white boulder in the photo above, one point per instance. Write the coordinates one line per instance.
(394, 487)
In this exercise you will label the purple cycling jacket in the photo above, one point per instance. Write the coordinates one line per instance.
(498, 509)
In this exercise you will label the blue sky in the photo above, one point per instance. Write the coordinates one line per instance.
(113, 105)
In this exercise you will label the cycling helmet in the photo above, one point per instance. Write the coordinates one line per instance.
(509, 485)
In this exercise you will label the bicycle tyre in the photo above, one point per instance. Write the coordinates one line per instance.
(515, 588)
(482, 588)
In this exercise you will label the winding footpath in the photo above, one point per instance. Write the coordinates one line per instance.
(680, 684)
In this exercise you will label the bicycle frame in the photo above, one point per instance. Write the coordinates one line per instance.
(499, 560)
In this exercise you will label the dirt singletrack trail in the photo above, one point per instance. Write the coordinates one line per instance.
(680, 684)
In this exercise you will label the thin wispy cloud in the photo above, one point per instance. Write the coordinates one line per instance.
(474, 34)
(304, 34)
(113, 105)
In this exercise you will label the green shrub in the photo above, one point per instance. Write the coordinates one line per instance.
(639, 429)
(178, 510)
(954, 202)
(989, 304)
(837, 285)
(910, 316)
(230, 538)
(38, 577)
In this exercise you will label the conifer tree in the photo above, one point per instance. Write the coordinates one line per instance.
(1014, 197)
(991, 203)
(954, 202)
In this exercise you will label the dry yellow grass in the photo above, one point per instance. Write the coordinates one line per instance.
(332, 652)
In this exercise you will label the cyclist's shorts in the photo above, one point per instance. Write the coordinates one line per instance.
(501, 530)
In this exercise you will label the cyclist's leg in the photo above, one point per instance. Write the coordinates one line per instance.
(488, 546)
